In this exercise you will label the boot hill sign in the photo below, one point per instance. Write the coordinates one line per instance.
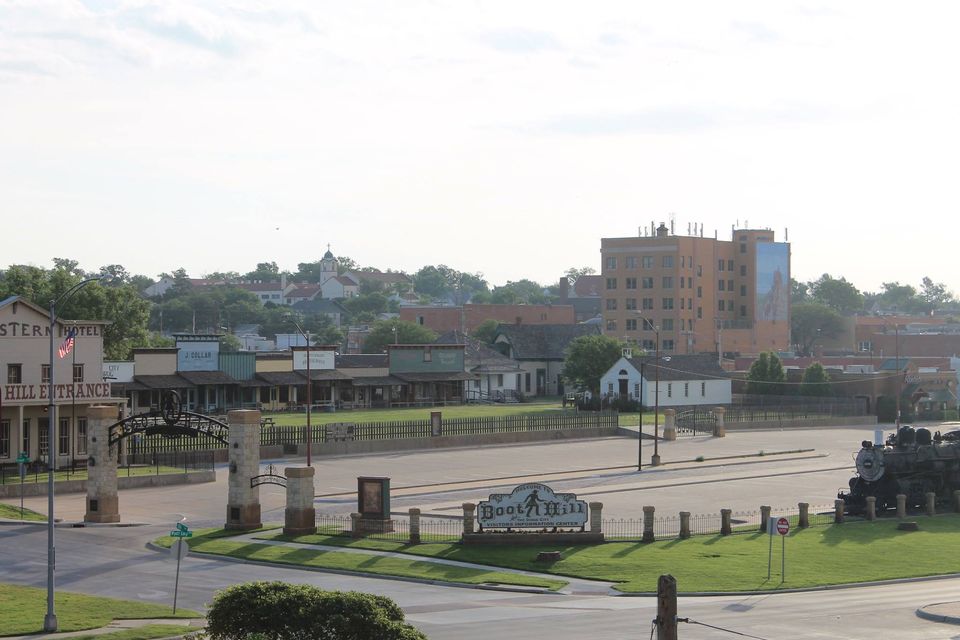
(531, 506)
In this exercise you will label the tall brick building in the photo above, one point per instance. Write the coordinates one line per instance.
(705, 295)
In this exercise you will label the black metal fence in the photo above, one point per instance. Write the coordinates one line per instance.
(36, 471)
(747, 408)
(395, 530)
(166, 462)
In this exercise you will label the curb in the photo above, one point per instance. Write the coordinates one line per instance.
(938, 617)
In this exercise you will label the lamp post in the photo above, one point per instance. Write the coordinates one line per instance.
(306, 336)
(648, 324)
(50, 619)
(899, 376)
(640, 422)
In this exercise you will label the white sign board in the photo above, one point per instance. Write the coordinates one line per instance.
(319, 360)
(118, 371)
(198, 356)
(531, 505)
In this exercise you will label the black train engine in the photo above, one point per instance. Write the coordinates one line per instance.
(912, 462)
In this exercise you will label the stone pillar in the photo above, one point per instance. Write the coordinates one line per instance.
(469, 509)
(901, 505)
(596, 517)
(871, 507)
(669, 424)
(956, 500)
(804, 519)
(436, 423)
(103, 504)
(764, 518)
(719, 429)
(648, 535)
(684, 524)
(838, 506)
(243, 448)
(725, 526)
(414, 525)
(931, 503)
(300, 517)
(356, 530)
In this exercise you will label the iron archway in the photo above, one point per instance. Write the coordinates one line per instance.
(171, 420)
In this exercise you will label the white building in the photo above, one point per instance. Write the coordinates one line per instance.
(684, 380)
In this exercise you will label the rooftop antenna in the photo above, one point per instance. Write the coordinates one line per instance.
(688, 228)
(673, 218)
(786, 234)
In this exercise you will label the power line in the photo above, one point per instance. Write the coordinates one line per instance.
(704, 624)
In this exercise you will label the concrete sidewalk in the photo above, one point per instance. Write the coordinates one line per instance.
(189, 625)
(948, 612)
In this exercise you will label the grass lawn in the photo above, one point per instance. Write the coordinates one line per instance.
(24, 609)
(218, 542)
(834, 554)
(13, 512)
(146, 632)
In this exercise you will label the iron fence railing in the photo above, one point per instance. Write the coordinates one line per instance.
(395, 530)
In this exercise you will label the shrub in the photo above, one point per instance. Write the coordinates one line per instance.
(283, 611)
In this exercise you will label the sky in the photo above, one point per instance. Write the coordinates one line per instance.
(493, 137)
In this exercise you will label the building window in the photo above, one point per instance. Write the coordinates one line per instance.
(45, 374)
(699, 313)
(699, 292)
(14, 374)
(743, 289)
(721, 285)
(667, 324)
(631, 283)
(63, 437)
(78, 373)
(668, 282)
(611, 325)
(668, 303)
(611, 283)
(699, 270)
(5, 438)
(631, 304)
(636, 390)
(648, 304)
(686, 389)
(669, 389)
(82, 436)
(667, 262)
(683, 261)
(526, 381)
(865, 345)
(730, 266)
(667, 345)
(43, 429)
(721, 305)
(26, 435)
(611, 304)
(703, 389)
(631, 324)
(720, 265)
(630, 262)
(689, 303)
(427, 354)
(499, 379)
(611, 263)
(743, 269)
(649, 345)
(646, 283)
(682, 302)
(729, 285)
(682, 283)
(646, 262)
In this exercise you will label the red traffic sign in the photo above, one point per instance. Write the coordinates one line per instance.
(783, 526)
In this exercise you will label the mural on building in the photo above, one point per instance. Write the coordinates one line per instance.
(773, 281)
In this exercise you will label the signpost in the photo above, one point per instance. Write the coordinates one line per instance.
(22, 461)
(781, 526)
(179, 548)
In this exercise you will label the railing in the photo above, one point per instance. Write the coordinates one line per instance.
(396, 530)
(166, 462)
(36, 471)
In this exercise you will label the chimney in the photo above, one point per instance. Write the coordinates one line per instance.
(564, 289)
(662, 231)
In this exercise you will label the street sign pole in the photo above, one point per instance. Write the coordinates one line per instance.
(22, 461)
(770, 526)
(176, 582)
(179, 548)
(783, 528)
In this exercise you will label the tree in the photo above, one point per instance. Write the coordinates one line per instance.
(935, 295)
(766, 375)
(520, 292)
(839, 295)
(588, 358)
(365, 308)
(431, 281)
(811, 321)
(229, 343)
(486, 331)
(815, 381)
(382, 333)
(901, 298)
(265, 272)
(799, 292)
(573, 273)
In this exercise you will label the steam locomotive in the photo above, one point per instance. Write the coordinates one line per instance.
(912, 462)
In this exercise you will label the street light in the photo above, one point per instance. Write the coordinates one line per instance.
(640, 422)
(647, 323)
(309, 438)
(50, 620)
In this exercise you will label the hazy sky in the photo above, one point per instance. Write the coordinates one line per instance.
(499, 137)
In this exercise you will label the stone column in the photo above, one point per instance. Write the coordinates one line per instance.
(300, 517)
(669, 424)
(648, 535)
(684, 524)
(356, 530)
(725, 526)
(871, 507)
(596, 517)
(764, 518)
(103, 504)
(469, 509)
(414, 525)
(901, 505)
(243, 449)
(838, 506)
(931, 503)
(719, 429)
(804, 519)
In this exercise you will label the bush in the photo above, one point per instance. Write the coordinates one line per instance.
(283, 611)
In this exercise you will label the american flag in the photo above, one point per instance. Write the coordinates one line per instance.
(67, 345)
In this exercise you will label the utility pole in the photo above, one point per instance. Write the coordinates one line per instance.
(666, 622)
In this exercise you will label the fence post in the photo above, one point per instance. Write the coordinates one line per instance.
(669, 424)
(725, 527)
(901, 505)
(838, 506)
(871, 507)
(468, 510)
(666, 622)
(931, 503)
(648, 524)
(355, 525)
(764, 518)
(596, 517)
(684, 524)
(436, 423)
(414, 525)
(719, 429)
(804, 518)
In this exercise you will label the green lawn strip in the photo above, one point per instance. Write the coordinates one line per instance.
(13, 512)
(217, 542)
(360, 416)
(146, 632)
(829, 555)
(24, 609)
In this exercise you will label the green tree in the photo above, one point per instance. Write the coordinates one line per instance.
(588, 358)
(766, 375)
(431, 281)
(573, 273)
(229, 343)
(901, 298)
(486, 331)
(520, 292)
(799, 292)
(815, 381)
(396, 331)
(265, 271)
(838, 294)
(935, 295)
(810, 322)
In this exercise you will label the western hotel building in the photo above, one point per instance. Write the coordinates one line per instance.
(705, 295)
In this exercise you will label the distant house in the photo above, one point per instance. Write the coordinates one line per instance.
(499, 378)
(684, 380)
(541, 350)
(584, 297)
(391, 281)
(301, 293)
(468, 317)
(321, 306)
